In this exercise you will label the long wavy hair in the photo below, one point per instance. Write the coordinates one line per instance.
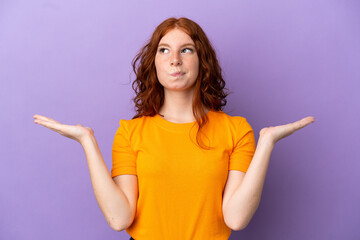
(209, 85)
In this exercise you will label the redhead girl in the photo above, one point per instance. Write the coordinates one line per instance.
(182, 169)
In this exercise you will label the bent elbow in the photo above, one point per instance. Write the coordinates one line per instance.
(118, 226)
(238, 226)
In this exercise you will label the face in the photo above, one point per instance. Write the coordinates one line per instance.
(176, 61)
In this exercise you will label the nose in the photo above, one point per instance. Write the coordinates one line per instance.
(175, 59)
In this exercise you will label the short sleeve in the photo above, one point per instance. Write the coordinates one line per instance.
(244, 148)
(123, 156)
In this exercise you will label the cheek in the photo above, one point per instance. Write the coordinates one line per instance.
(159, 70)
(159, 65)
(156, 62)
(196, 62)
(196, 66)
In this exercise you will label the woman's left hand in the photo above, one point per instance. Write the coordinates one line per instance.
(274, 134)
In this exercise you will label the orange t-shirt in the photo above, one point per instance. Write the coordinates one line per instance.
(180, 184)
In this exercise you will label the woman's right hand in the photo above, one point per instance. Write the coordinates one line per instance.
(76, 132)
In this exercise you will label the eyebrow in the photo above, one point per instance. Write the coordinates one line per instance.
(186, 44)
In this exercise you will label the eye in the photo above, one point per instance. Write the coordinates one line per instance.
(188, 49)
(162, 50)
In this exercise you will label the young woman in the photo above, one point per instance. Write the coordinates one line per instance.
(182, 168)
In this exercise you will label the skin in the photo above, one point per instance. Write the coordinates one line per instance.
(79, 132)
(176, 52)
(242, 192)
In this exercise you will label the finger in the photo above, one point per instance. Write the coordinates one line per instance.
(51, 125)
(307, 121)
(303, 122)
(311, 119)
(40, 117)
(44, 118)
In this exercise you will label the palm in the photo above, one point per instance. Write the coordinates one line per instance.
(279, 132)
(76, 132)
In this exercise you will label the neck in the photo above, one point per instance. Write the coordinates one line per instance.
(177, 106)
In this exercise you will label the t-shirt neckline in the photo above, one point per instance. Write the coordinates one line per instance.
(178, 127)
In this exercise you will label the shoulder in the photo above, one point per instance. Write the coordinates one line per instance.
(227, 119)
(135, 123)
(131, 121)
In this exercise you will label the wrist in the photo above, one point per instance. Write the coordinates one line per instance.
(86, 139)
(266, 140)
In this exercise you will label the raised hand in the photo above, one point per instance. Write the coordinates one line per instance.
(76, 132)
(276, 133)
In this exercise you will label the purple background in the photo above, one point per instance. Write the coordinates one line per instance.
(283, 60)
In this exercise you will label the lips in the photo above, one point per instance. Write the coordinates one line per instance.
(177, 74)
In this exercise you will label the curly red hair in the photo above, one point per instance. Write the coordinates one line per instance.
(209, 85)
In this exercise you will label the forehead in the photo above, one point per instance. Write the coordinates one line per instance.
(175, 37)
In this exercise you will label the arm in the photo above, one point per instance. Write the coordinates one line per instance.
(116, 198)
(243, 193)
(111, 199)
(245, 199)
